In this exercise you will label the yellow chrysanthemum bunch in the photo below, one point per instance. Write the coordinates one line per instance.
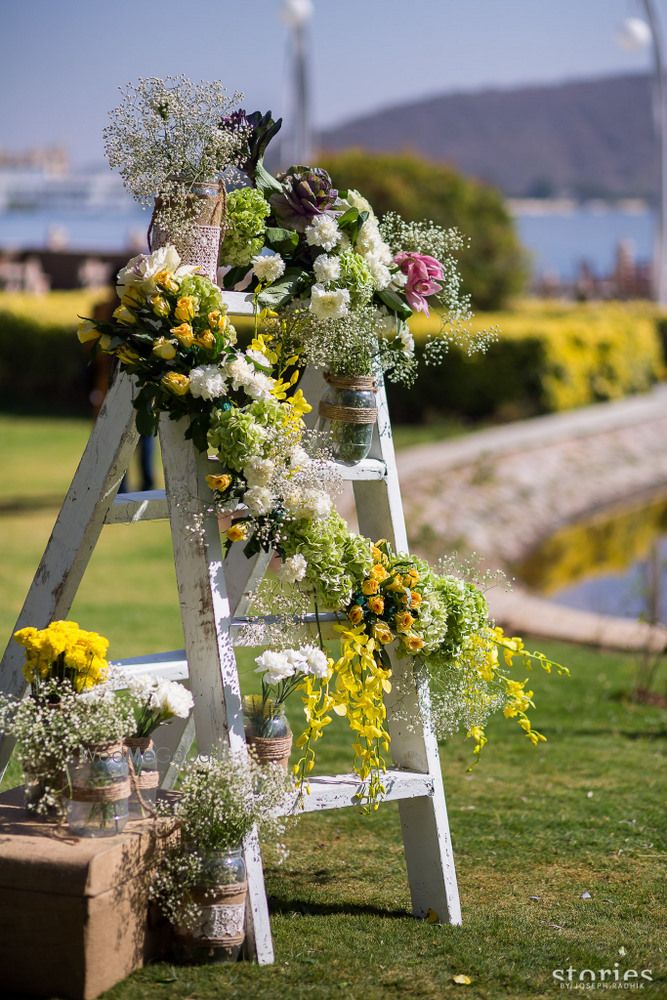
(64, 652)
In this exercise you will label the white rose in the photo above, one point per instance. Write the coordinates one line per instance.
(172, 700)
(310, 503)
(142, 269)
(207, 382)
(293, 570)
(356, 200)
(326, 268)
(268, 268)
(323, 232)
(275, 666)
(329, 305)
(258, 500)
(258, 471)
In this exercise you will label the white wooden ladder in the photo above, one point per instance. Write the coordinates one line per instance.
(214, 597)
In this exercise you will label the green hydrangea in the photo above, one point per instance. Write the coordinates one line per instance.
(247, 210)
(236, 435)
(337, 559)
(203, 289)
(355, 276)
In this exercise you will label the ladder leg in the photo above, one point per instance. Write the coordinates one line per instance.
(425, 827)
(77, 528)
(206, 614)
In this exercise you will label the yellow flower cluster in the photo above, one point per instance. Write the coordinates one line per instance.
(361, 681)
(391, 594)
(64, 651)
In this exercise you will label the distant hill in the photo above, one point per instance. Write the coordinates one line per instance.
(586, 138)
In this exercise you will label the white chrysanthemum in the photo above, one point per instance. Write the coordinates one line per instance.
(371, 244)
(207, 382)
(258, 357)
(326, 268)
(323, 232)
(315, 660)
(258, 500)
(407, 342)
(311, 504)
(240, 371)
(258, 471)
(259, 386)
(275, 666)
(268, 268)
(171, 699)
(294, 568)
(380, 273)
(329, 305)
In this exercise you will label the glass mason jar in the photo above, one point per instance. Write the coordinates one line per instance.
(144, 776)
(98, 793)
(43, 792)
(348, 414)
(198, 241)
(215, 930)
(267, 731)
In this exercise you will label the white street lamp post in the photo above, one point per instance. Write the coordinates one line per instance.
(297, 13)
(637, 34)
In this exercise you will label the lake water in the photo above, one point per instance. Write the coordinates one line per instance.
(557, 241)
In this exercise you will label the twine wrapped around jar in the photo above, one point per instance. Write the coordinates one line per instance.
(206, 204)
(349, 414)
(145, 779)
(271, 749)
(112, 791)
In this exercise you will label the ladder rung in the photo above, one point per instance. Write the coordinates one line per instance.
(171, 666)
(370, 468)
(339, 790)
(128, 508)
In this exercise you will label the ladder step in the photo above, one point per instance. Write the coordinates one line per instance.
(151, 505)
(338, 791)
(129, 508)
(171, 666)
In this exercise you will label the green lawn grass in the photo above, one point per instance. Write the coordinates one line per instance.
(533, 830)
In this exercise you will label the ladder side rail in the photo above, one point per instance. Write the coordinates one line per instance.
(426, 837)
(206, 616)
(103, 464)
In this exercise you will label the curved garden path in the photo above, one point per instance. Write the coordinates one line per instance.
(501, 491)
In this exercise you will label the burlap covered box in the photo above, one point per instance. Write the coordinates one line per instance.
(73, 912)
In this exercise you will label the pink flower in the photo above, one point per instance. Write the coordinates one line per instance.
(423, 274)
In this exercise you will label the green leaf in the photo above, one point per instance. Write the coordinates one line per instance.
(275, 236)
(266, 182)
(278, 294)
(348, 218)
(394, 302)
(147, 421)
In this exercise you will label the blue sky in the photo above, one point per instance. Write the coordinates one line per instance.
(63, 60)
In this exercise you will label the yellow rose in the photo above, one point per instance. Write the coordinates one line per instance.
(355, 614)
(167, 280)
(216, 318)
(376, 604)
(379, 573)
(411, 577)
(127, 355)
(105, 342)
(415, 599)
(132, 297)
(87, 332)
(206, 340)
(124, 315)
(183, 334)
(219, 483)
(237, 533)
(186, 307)
(163, 348)
(404, 621)
(159, 305)
(370, 587)
(413, 643)
(396, 584)
(382, 633)
(176, 383)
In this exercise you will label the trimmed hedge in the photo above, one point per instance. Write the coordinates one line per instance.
(42, 364)
(548, 357)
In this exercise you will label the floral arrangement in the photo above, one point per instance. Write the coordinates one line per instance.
(334, 287)
(153, 702)
(63, 652)
(282, 672)
(222, 797)
(168, 135)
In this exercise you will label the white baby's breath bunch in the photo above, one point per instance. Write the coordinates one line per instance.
(169, 134)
